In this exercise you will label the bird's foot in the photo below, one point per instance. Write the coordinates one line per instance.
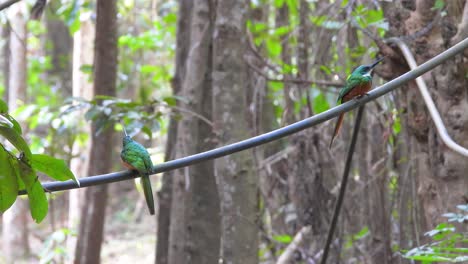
(361, 96)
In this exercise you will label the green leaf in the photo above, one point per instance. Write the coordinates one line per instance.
(285, 239)
(86, 68)
(273, 47)
(54, 168)
(279, 3)
(170, 100)
(276, 86)
(320, 104)
(8, 183)
(147, 131)
(16, 125)
(3, 107)
(12, 135)
(438, 5)
(37, 198)
(326, 69)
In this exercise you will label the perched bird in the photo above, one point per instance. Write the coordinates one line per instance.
(358, 83)
(135, 157)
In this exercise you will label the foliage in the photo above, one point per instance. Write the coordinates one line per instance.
(270, 38)
(20, 172)
(451, 245)
(105, 111)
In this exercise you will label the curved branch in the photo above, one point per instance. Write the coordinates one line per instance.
(270, 136)
(7, 4)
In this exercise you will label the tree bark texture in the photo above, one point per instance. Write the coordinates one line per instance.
(194, 230)
(15, 232)
(282, 20)
(441, 173)
(165, 194)
(83, 54)
(90, 236)
(59, 46)
(237, 183)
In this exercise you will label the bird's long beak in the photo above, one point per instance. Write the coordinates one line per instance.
(123, 127)
(377, 62)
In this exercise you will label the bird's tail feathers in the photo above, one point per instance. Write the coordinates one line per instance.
(337, 128)
(148, 192)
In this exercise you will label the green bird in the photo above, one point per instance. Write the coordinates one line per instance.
(358, 83)
(135, 157)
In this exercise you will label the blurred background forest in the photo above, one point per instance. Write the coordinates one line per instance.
(186, 76)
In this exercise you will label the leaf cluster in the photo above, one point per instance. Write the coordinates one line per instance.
(450, 244)
(19, 171)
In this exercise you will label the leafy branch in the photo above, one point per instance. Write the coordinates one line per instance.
(450, 244)
(20, 171)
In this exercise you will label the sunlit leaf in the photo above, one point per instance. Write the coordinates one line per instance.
(37, 198)
(53, 167)
(274, 47)
(279, 3)
(170, 100)
(8, 183)
(285, 239)
(3, 107)
(12, 135)
(320, 104)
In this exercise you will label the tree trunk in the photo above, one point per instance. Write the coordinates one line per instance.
(165, 194)
(194, 231)
(105, 72)
(441, 172)
(282, 20)
(58, 36)
(236, 181)
(83, 54)
(15, 233)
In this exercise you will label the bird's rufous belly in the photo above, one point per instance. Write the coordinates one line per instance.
(357, 91)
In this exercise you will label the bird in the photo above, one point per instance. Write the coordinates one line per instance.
(358, 83)
(135, 157)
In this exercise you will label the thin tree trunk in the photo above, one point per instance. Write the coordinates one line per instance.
(165, 195)
(236, 181)
(15, 233)
(59, 48)
(105, 71)
(282, 20)
(83, 54)
(194, 231)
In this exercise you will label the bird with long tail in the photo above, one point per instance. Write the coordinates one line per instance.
(135, 157)
(358, 83)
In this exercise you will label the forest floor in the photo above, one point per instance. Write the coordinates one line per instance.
(130, 231)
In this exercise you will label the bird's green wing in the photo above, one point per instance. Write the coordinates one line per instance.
(137, 156)
(148, 163)
(351, 83)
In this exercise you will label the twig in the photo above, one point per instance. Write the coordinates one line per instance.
(275, 69)
(344, 182)
(294, 80)
(288, 254)
(197, 115)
